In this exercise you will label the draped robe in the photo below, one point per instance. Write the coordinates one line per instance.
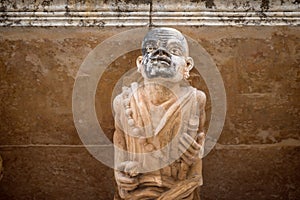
(158, 125)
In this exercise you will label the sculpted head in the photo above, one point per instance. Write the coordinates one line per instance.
(164, 56)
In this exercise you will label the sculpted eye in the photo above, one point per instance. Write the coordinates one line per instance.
(150, 49)
(176, 52)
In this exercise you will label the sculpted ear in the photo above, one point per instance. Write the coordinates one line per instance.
(139, 64)
(189, 63)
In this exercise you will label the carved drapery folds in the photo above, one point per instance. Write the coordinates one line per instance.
(159, 124)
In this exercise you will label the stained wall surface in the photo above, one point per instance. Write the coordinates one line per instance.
(257, 155)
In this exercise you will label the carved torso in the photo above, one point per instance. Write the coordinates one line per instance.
(149, 128)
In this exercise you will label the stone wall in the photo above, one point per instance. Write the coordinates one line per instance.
(257, 155)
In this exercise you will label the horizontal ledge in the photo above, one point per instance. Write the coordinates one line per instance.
(162, 19)
(284, 143)
(165, 5)
(70, 14)
(99, 23)
(142, 18)
(51, 145)
(175, 15)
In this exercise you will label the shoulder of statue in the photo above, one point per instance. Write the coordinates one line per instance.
(122, 99)
(117, 103)
(201, 97)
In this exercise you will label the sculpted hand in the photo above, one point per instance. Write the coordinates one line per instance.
(126, 175)
(190, 147)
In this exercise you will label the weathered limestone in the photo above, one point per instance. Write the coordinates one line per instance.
(159, 124)
(149, 12)
(260, 139)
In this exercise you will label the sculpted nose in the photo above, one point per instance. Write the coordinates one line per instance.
(162, 52)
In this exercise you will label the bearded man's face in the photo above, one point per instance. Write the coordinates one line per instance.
(165, 52)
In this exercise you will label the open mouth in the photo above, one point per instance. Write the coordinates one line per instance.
(161, 59)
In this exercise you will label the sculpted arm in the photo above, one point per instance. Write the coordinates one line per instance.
(196, 168)
(192, 150)
(119, 137)
(123, 166)
(191, 155)
(202, 101)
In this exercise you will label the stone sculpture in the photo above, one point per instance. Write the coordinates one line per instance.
(159, 124)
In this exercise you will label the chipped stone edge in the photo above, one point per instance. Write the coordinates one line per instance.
(146, 18)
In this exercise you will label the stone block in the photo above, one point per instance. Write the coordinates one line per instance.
(38, 68)
(229, 171)
(252, 172)
(54, 172)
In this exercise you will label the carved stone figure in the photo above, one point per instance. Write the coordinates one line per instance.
(159, 124)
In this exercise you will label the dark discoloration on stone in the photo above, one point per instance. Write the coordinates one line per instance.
(3, 5)
(208, 3)
(46, 3)
(80, 1)
(136, 2)
(265, 5)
